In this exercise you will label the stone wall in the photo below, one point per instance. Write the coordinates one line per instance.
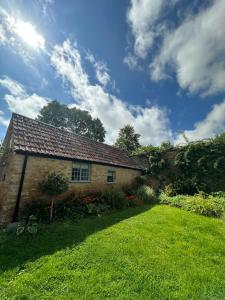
(11, 172)
(38, 168)
(160, 180)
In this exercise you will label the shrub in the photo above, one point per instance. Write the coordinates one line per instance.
(70, 207)
(206, 207)
(39, 208)
(169, 190)
(140, 180)
(96, 208)
(54, 184)
(185, 186)
(133, 201)
(176, 201)
(114, 198)
(31, 226)
(146, 194)
(202, 194)
(219, 194)
(200, 204)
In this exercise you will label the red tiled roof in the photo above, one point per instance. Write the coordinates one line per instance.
(35, 137)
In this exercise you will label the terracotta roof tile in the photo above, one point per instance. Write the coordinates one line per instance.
(35, 137)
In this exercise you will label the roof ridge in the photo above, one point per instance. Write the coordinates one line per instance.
(76, 134)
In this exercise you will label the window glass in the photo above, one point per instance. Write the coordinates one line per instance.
(111, 176)
(80, 172)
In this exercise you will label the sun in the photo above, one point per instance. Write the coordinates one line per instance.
(27, 32)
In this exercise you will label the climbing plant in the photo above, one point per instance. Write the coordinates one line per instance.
(198, 166)
(203, 163)
(156, 162)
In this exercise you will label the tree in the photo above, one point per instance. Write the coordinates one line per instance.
(166, 146)
(143, 150)
(220, 138)
(128, 140)
(54, 113)
(77, 120)
(55, 184)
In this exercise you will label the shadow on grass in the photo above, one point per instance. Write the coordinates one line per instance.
(15, 251)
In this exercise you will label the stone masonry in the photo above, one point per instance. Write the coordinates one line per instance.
(38, 168)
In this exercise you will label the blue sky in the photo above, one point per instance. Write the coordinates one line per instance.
(157, 65)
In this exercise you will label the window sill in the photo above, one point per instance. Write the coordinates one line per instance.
(73, 181)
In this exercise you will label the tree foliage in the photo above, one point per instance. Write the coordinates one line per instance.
(77, 120)
(143, 150)
(55, 184)
(128, 140)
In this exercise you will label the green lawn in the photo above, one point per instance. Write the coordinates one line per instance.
(155, 252)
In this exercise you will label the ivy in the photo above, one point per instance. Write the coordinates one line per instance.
(156, 162)
(199, 166)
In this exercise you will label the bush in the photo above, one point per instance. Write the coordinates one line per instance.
(96, 208)
(114, 198)
(146, 194)
(133, 201)
(200, 204)
(185, 186)
(39, 208)
(140, 180)
(31, 226)
(219, 194)
(71, 207)
(169, 190)
(176, 201)
(206, 207)
(77, 205)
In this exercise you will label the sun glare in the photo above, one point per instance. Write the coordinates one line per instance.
(28, 33)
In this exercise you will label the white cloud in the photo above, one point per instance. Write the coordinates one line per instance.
(214, 123)
(195, 51)
(3, 120)
(142, 16)
(101, 70)
(132, 61)
(45, 7)
(147, 22)
(13, 86)
(19, 100)
(2, 35)
(151, 122)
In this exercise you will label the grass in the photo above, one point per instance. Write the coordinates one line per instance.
(157, 252)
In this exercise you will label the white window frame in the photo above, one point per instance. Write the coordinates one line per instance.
(80, 166)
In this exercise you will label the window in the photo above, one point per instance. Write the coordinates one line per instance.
(111, 177)
(80, 172)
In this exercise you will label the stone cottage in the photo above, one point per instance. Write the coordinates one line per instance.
(32, 150)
